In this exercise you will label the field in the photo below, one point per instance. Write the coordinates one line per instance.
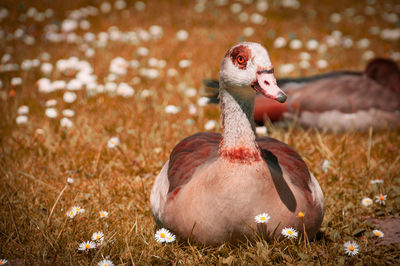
(156, 107)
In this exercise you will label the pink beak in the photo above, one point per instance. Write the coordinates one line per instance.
(265, 84)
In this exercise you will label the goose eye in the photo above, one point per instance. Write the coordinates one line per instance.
(240, 59)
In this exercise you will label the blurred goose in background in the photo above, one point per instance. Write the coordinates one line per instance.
(214, 185)
(337, 101)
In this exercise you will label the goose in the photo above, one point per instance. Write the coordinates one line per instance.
(337, 101)
(213, 185)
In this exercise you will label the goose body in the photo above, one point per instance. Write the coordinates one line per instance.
(214, 185)
(339, 101)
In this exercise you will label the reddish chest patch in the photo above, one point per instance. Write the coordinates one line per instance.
(241, 155)
(174, 193)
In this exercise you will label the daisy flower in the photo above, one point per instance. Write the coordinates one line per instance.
(289, 232)
(162, 235)
(78, 209)
(86, 245)
(105, 263)
(103, 214)
(262, 218)
(113, 142)
(170, 238)
(3, 261)
(98, 236)
(366, 201)
(378, 233)
(70, 180)
(380, 199)
(351, 248)
(71, 213)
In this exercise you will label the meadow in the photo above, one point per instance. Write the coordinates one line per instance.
(75, 74)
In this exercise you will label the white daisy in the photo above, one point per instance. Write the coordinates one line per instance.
(98, 236)
(262, 218)
(380, 199)
(366, 201)
(66, 122)
(23, 110)
(113, 142)
(71, 213)
(161, 235)
(103, 214)
(86, 245)
(78, 209)
(170, 238)
(51, 112)
(51, 103)
(182, 35)
(289, 232)
(351, 248)
(105, 263)
(378, 233)
(21, 119)
(210, 125)
(70, 180)
(172, 109)
(69, 97)
(68, 113)
(3, 261)
(325, 165)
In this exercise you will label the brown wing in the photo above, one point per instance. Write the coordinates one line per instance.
(346, 94)
(278, 154)
(189, 154)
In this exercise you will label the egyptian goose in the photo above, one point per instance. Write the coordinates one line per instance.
(338, 101)
(214, 185)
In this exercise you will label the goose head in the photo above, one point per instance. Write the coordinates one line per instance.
(246, 69)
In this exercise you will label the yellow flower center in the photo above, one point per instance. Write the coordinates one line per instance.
(105, 264)
(162, 235)
(87, 246)
(301, 215)
(98, 237)
(381, 198)
(290, 232)
(351, 248)
(262, 218)
(71, 213)
(378, 233)
(367, 201)
(78, 209)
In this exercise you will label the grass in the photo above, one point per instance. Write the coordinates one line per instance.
(34, 167)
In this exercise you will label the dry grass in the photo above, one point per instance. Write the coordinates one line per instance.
(34, 168)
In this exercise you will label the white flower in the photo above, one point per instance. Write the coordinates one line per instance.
(51, 112)
(378, 233)
(377, 181)
(23, 110)
(3, 261)
(51, 103)
(380, 199)
(161, 235)
(66, 122)
(236, 8)
(280, 42)
(289, 232)
(248, 31)
(142, 51)
(285, 69)
(98, 236)
(203, 101)
(295, 44)
(105, 263)
(68, 113)
(322, 63)
(211, 124)
(16, 81)
(125, 90)
(262, 218)
(172, 109)
(78, 209)
(103, 214)
(21, 119)
(184, 63)
(190, 92)
(366, 201)
(170, 238)
(71, 213)
(46, 68)
(113, 142)
(192, 109)
(312, 44)
(182, 35)
(335, 18)
(70, 180)
(257, 18)
(351, 248)
(86, 245)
